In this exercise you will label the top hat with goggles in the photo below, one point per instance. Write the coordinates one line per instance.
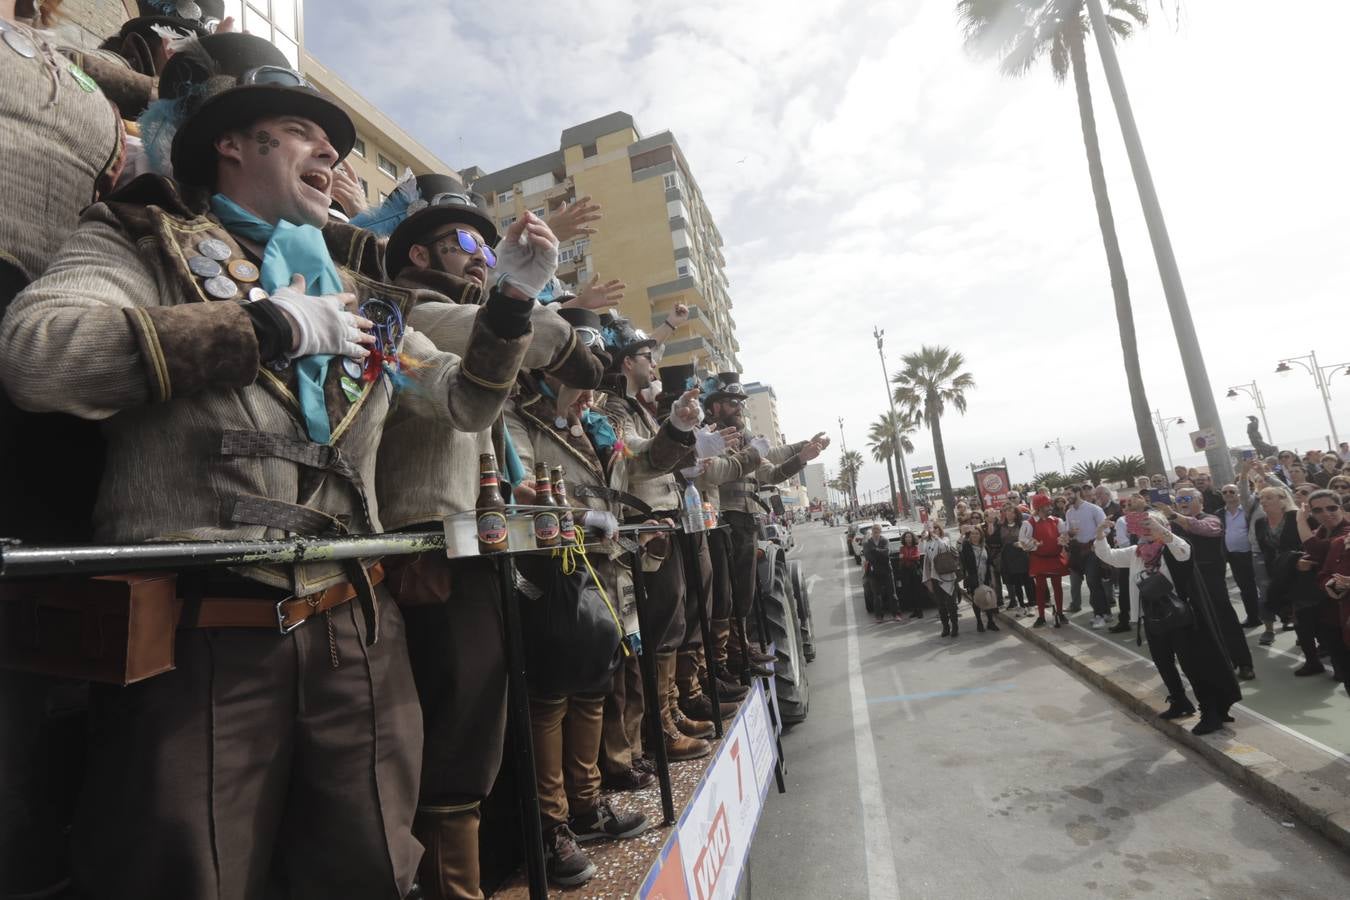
(589, 331)
(228, 81)
(726, 386)
(435, 203)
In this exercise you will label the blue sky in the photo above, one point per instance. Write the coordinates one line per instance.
(892, 179)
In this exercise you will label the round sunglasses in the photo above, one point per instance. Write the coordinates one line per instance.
(469, 244)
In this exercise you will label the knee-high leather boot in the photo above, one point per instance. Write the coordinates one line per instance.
(689, 726)
(946, 622)
(728, 688)
(679, 745)
(693, 701)
(449, 869)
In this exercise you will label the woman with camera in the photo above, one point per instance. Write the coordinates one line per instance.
(1174, 623)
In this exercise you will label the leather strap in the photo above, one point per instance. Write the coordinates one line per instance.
(610, 495)
(746, 495)
(289, 517)
(254, 612)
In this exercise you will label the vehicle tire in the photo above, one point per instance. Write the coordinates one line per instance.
(804, 621)
(780, 612)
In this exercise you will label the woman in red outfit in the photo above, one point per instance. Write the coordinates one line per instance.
(1043, 537)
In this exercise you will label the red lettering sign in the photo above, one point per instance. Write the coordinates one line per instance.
(713, 856)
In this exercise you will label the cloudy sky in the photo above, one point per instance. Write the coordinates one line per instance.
(892, 179)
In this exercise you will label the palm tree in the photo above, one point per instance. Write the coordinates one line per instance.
(1127, 468)
(1093, 470)
(880, 440)
(930, 381)
(850, 464)
(1022, 31)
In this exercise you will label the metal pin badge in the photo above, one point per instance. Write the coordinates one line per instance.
(20, 44)
(255, 294)
(243, 270)
(351, 367)
(215, 249)
(220, 287)
(560, 423)
(203, 267)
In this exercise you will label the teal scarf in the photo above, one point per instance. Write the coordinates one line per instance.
(291, 250)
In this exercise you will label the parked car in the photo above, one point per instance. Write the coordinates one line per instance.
(864, 529)
(780, 535)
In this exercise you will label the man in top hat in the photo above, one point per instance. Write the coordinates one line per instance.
(650, 480)
(720, 459)
(740, 503)
(243, 363)
(441, 242)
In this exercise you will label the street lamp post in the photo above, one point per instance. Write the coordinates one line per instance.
(1059, 445)
(1162, 424)
(1251, 390)
(897, 451)
(852, 481)
(1028, 451)
(1319, 374)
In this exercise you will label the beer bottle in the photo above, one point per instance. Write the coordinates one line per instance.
(491, 509)
(566, 525)
(545, 520)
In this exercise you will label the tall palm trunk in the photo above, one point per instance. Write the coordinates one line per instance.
(890, 472)
(940, 451)
(1129, 347)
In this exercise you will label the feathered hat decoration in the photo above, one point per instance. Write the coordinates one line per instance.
(405, 200)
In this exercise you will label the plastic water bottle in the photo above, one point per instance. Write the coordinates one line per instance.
(693, 509)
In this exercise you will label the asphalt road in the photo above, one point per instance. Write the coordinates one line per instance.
(977, 768)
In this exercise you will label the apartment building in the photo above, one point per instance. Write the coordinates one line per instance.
(383, 151)
(761, 411)
(657, 235)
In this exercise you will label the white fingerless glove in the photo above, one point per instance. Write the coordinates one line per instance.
(604, 522)
(526, 266)
(322, 324)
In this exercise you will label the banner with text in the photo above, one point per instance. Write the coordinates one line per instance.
(993, 485)
(707, 852)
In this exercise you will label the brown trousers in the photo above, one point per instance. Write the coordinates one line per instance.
(695, 594)
(719, 549)
(621, 743)
(665, 603)
(566, 732)
(256, 760)
(459, 664)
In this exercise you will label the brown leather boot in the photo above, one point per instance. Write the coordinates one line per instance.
(688, 727)
(693, 702)
(449, 868)
(679, 746)
(740, 658)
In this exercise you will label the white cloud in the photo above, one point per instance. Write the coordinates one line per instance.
(891, 179)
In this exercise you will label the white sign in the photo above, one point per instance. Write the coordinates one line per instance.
(715, 834)
(1204, 439)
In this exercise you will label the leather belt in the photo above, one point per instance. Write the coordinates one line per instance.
(284, 615)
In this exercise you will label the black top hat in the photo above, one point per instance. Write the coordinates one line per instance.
(675, 380)
(586, 323)
(728, 387)
(225, 81)
(199, 17)
(623, 339)
(440, 201)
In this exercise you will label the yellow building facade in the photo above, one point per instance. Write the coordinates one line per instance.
(657, 235)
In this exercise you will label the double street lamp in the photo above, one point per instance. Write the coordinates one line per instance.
(1058, 445)
(1163, 423)
(1251, 390)
(1320, 377)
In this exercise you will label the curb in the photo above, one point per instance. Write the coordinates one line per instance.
(1306, 799)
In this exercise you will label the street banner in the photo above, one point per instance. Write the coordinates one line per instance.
(993, 485)
(709, 848)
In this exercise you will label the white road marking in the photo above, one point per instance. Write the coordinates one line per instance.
(901, 692)
(1246, 710)
(882, 882)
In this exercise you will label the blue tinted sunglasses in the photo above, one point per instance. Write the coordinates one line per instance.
(469, 244)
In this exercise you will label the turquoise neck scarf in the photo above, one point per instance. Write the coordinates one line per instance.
(291, 249)
(598, 426)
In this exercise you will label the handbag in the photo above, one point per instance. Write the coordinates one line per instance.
(571, 631)
(983, 597)
(946, 562)
(1163, 611)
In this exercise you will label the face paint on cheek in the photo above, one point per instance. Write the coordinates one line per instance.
(265, 142)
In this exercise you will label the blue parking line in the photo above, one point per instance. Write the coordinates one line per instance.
(929, 695)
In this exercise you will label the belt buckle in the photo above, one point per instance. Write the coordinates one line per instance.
(282, 626)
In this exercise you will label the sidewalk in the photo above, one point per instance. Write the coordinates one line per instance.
(1291, 737)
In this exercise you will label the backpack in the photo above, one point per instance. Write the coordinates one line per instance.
(1162, 611)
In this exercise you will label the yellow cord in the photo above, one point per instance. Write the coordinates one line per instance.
(569, 565)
